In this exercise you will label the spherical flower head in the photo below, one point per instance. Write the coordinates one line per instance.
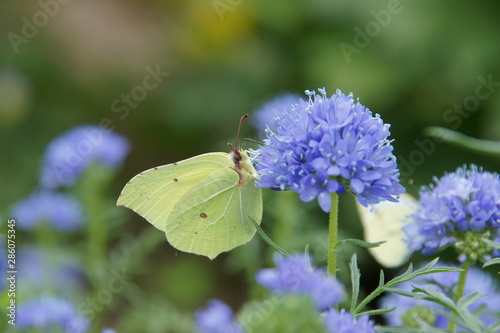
(343, 322)
(62, 211)
(216, 318)
(70, 154)
(330, 145)
(50, 313)
(459, 210)
(406, 307)
(269, 111)
(296, 275)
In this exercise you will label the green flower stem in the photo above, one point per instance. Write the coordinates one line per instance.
(92, 192)
(460, 288)
(46, 235)
(332, 235)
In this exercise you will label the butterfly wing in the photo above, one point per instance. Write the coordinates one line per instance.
(200, 203)
(385, 222)
(215, 216)
(154, 192)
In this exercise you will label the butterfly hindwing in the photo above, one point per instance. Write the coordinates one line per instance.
(215, 216)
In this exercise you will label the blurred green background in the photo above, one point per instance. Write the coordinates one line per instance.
(412, 61)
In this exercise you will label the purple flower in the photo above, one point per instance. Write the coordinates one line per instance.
(62, 211)
(343, 322)
(266, 115)
(477, 280)
(50, 314)
(296, 275)
(459, 210)
(70, 154)
(216, 318)
(330, 145)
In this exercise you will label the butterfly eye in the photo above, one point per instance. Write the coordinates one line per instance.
(237, 156)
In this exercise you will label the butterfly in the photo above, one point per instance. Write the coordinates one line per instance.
(204, 204)
(384, 222)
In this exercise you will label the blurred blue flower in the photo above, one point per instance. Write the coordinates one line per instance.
(266, 115)
(328, 145)
(62, 211)
(477, 280)
(296, 275)
(343, 322)
(67, 156)
(216, 318)
(48, 270)
(460, 209)
(49, 314)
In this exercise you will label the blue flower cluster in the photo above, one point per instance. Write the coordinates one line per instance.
(61, 211)
(48, 313)
(217, 318)
(70, 154)
(293, 275)
(296, 275)
(65, 160)
(330, 145)
(343, 322)
(266, 115)
(476, 280)
(459, 210)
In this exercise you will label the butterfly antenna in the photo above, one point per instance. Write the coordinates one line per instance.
(239, 129)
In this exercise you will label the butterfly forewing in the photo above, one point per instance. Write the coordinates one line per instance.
(154, 192)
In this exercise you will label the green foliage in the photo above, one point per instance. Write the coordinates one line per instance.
(383, 287)
(281, 314)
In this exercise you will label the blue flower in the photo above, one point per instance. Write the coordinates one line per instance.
(477, 280)
(70, 154)
(62, 211)
(49, 314)
(216, 318)
(266, 115)
(343, 322)
(48, 270)
(296, 275)
(330, 145)
(459, 210)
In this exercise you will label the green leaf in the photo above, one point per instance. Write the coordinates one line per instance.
(269, 240)
(406, 276)
(494, 261)
(357, 242)
(492, 243)
(376, 311)
(485, 147)
(355, 278)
